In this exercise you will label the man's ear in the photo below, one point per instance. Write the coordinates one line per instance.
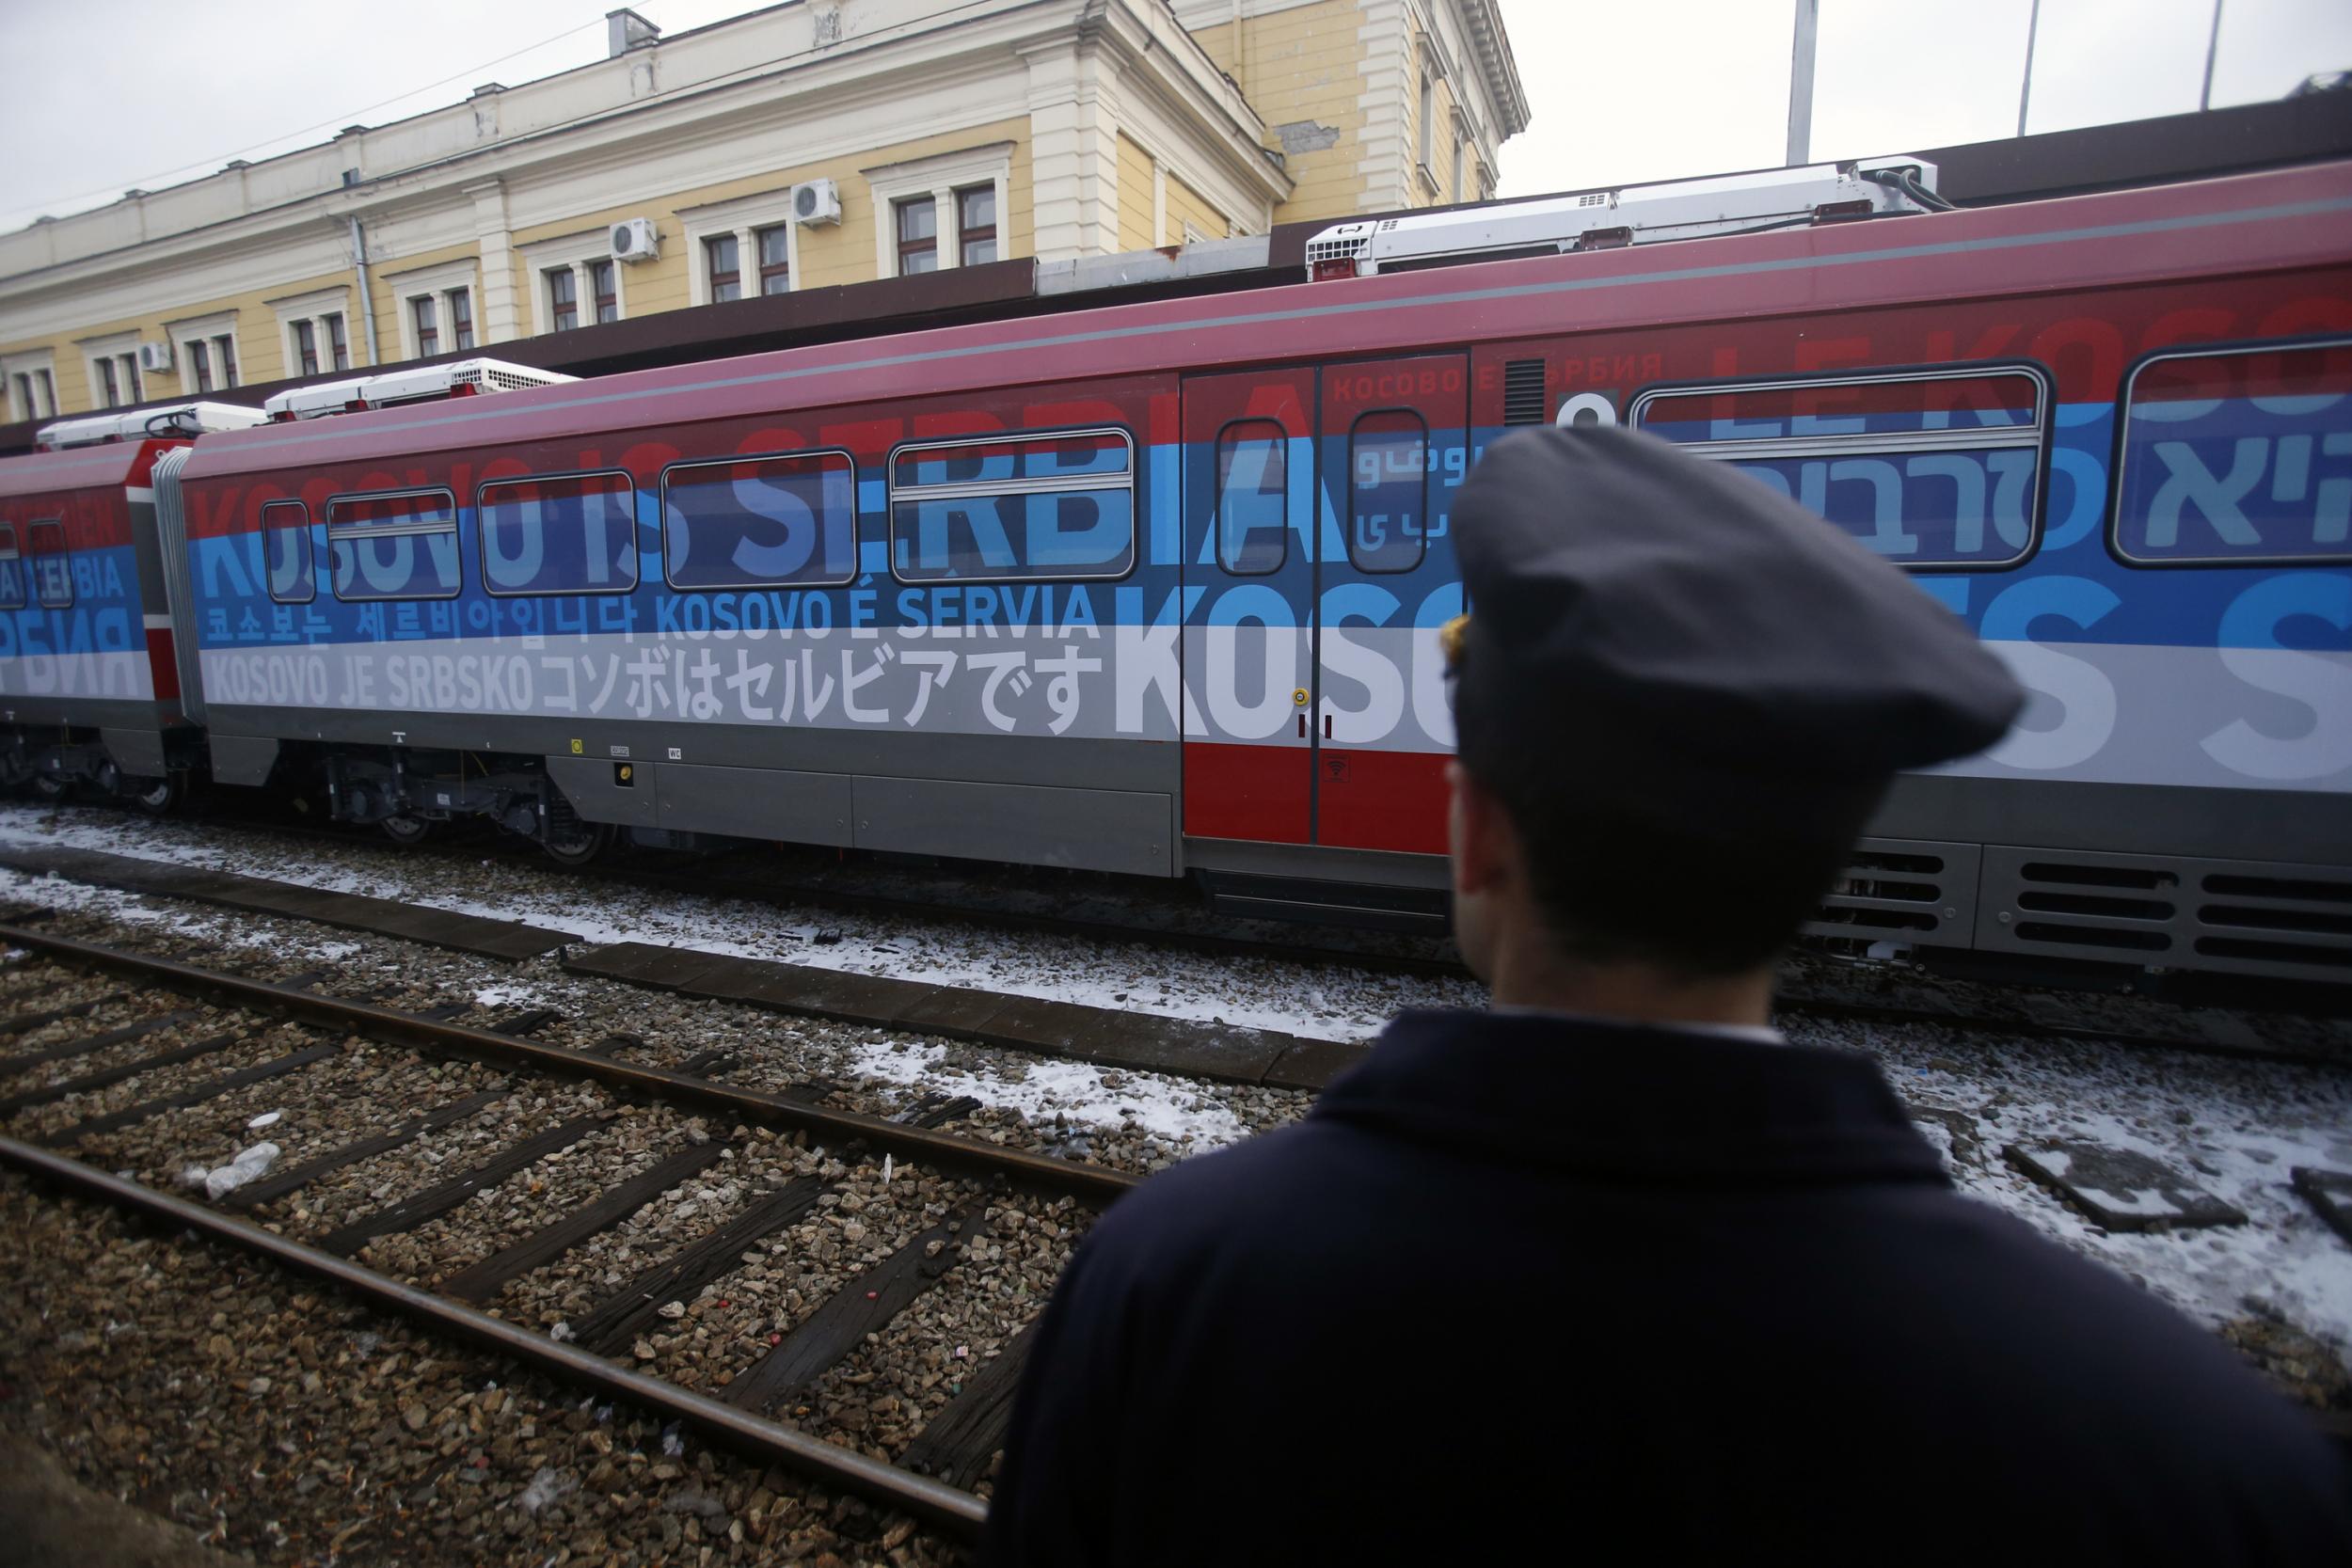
(1483, 841)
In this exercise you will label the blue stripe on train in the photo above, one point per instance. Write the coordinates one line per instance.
(2072, 589)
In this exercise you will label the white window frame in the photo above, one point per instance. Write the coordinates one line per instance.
(206, 330)
(573, 251)
(939, 178)
(437, 284)
(743, 217)
(123, 349)
(39, 364)
(315, 307)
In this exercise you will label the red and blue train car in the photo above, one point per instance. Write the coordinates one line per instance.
(89, 679)
(1156, 589)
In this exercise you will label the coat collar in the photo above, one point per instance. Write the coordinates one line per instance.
(1627, 1101)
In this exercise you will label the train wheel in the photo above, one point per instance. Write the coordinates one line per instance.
(155, 796)
(50, 786)
(576, 843)
(406, 830)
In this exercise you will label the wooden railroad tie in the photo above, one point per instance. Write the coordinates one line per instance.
(211, 1088)
(480, 1281)
(411, 1213)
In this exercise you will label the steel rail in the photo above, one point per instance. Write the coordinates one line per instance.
(755, 1438)
(1036, 1172)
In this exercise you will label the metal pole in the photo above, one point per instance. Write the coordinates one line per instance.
(2024, 93)
(367, 301)
(2213, 47)
(1800, 81)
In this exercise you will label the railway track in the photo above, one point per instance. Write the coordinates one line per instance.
(2228, 1024)
(86, 1086)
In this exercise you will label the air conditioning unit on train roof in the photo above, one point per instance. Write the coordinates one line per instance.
(1629, 215)
(173, 422)
(315, 400)
(457, 378)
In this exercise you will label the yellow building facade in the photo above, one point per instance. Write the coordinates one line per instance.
(813, 143)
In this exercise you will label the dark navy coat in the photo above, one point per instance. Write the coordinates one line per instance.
(1527, 1288)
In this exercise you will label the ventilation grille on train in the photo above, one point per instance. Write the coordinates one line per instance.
(491, 378)
(1900, 892)
(1523, 392)
(2169, 911)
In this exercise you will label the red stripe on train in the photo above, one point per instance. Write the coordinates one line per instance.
(162, 668)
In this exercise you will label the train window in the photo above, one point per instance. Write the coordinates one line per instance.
(760, 522)
(1002, 508)
(11, 570)
(286, 552)
(1388, 490)
(394, 544)
(1252, 497)
(1937, 469)
(559, 533)
(53, 567)
(2237, 456)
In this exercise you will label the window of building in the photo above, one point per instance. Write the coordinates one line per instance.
(11, 570)
(725, 262)
(206, 351)
(1461, 162)
(1935, 470)
(605, 285)
(2236, 456)
(744, 246)
(1011, 507)
(52, 566)
(751, 522)
(313, 330)
(562, 298)
(938, 211)
(114, 371)
(436, 307)
(1252, 497)
(394, 544)
(975, 223)
(1428, 127)
(32, 390)
(775, 258)
(1388, 490)
(919, 234)
(577, 281)
(286, 552)
(561, 534)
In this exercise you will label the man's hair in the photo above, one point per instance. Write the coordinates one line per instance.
(1616, 885)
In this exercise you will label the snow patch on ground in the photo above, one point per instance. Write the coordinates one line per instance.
(1314, 1001)
(1173, 1110)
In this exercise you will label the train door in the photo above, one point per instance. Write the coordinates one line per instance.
(1394, 443)
(1249, 499)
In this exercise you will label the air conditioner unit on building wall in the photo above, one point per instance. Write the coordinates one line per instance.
(816, 201)
(154, 356)
(634, 240)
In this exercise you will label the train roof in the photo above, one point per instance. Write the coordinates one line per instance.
(2287, 218)
(110, 464)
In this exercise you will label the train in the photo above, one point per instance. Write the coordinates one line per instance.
(1155, 589)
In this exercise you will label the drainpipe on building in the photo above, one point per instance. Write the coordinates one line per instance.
(367, 300)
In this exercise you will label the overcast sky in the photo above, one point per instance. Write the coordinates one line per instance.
(109, 94)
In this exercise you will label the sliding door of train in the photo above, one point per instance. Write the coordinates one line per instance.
(1250, 592)
(1393, 445)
